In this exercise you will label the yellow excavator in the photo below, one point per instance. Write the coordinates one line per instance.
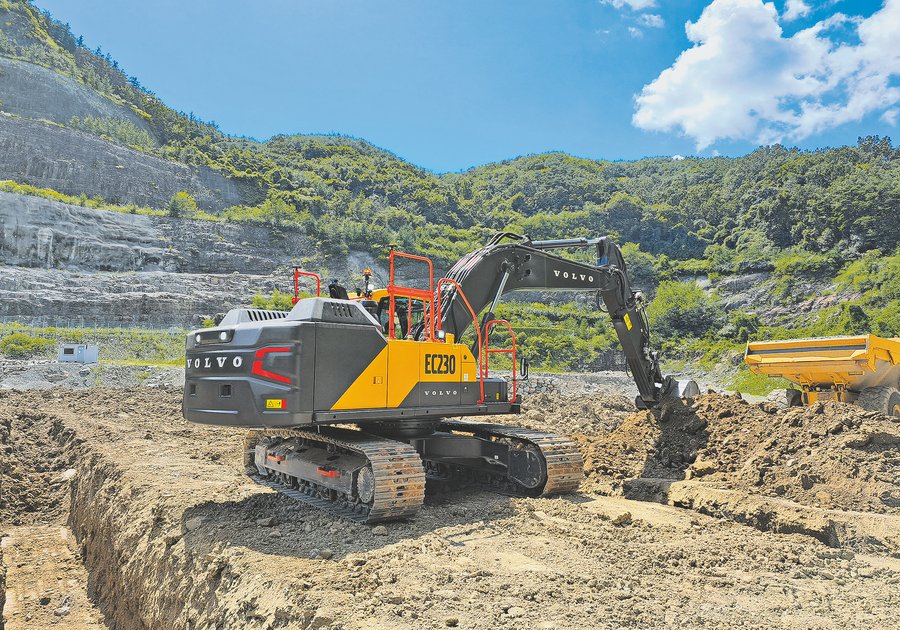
(863, 370)
(392, 364)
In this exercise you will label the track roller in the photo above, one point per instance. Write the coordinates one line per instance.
(348, 473)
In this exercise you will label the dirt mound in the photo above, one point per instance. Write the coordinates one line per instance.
(830, 455)
(590, 413)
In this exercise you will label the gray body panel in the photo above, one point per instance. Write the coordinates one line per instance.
(322, 347)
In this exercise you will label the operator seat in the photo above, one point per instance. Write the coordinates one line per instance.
(337, 292)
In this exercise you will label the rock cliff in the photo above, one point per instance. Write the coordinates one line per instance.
(47, 155)
(31, 91)
(60, 262)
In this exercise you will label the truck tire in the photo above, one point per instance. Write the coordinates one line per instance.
(794, 397)
(882, 399)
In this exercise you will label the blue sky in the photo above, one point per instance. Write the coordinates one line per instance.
(454, 84)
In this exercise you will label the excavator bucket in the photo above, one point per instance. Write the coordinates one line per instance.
(671, 390)
(683, 389)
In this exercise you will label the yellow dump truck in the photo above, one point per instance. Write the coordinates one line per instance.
(863, 370)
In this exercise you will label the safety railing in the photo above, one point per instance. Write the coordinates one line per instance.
(410, 293)
(488, 351)
(299, 272)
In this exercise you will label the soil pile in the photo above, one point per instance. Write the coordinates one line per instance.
(593, 413)
(829, 455)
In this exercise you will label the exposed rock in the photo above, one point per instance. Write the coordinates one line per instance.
(622, 519)
(32, 91)
(74, 162)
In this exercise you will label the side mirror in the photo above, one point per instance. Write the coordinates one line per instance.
(523, 368)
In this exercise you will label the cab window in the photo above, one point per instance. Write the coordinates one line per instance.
(404, 320)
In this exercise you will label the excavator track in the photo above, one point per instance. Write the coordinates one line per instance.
(564, 463)
(398, 475)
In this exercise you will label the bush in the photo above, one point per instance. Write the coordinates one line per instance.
(741, 326)
(799, 261)
(116, 129)
(23, 346)
(278, 301)
(683, 309)
(182, 204)
(642, 266)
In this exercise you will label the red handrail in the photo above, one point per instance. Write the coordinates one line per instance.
(512, 350)
(474, 322)
(395, 291)
(297, 273)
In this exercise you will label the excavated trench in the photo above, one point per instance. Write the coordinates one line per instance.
(83, 548)
(43, 581)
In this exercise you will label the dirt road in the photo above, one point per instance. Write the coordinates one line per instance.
(173, 535)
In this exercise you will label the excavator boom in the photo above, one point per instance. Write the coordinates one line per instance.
(510, 262)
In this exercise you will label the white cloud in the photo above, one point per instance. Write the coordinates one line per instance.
(634, 5)
(744, 80)
(890, 117)
(635, 32)
(794, 9)
(651, 20)
(677, 158)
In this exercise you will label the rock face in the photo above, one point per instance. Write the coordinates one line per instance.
(148, 299)
(31, 91)
(74, 162)
(37, 232)
(66, 265)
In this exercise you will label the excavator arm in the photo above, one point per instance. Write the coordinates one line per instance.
(510, 262)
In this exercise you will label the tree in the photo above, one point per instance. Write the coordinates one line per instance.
(683, 309)
(182, 205)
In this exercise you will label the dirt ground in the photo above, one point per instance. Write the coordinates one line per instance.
(171, 534)
(829, 456)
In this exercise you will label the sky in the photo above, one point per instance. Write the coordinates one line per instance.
(459, 83)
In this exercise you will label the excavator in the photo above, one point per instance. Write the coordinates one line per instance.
(351, 407)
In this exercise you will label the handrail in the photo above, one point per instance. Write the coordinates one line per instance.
(512, 350)
(395, 291)
(297, 273)
(437, 309)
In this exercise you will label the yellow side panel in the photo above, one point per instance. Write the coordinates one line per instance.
(439, 363)
(412, 362)
(369, 391)
(403, 367)
(469, 369)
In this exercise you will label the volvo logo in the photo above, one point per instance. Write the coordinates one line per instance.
(442, 392)
(207, 362)
(584, 277)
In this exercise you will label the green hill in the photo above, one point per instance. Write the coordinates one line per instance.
(814, 222)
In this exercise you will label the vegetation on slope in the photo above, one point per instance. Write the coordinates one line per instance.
(826, 217)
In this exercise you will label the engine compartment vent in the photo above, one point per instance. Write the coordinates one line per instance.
(244, 315)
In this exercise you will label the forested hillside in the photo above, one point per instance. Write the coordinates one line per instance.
(818, 222)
